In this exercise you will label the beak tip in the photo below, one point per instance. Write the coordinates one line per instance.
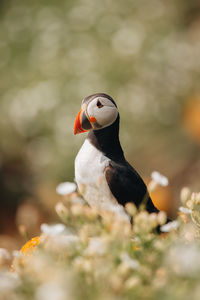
(75, 131)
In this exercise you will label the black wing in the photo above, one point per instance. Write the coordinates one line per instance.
(126, 185)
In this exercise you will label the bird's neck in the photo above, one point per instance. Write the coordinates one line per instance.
(107, 141)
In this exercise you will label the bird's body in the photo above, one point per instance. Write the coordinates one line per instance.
(90, 170)
(102, 173)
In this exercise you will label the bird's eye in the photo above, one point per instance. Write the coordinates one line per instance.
(99, 104)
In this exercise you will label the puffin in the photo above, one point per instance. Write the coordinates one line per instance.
(103, 175)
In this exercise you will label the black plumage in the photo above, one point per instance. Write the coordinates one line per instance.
(124, 182)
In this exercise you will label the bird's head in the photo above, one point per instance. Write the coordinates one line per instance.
(97, 112)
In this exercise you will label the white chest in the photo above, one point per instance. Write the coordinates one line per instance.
(90, 166)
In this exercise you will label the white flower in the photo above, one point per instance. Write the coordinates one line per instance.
(97, 246)
(118, 211)
(185, 194)
(195, 198)
(64, 241)
(8, 282)
(131, 208)
(61, 210)
(59, 236)
(184, 259)
(162, 217)
(131, 263)
(66, 188)
(170, 226)
(159, 178)
(185, 210)
(52, 229)
(4, 254)
(78, 200)
(51, 291)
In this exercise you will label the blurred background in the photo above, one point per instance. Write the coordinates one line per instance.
(145, 54)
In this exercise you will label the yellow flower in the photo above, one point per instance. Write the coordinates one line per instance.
(30, 246)
(26, 250)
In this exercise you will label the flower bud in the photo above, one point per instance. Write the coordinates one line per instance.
(131, 209)
(185, 195)
(61, 210)
(162, 218)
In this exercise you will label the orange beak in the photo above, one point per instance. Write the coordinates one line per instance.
(82, 123)
(77, 125)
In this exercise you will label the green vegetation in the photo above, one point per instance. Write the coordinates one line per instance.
(93, 257)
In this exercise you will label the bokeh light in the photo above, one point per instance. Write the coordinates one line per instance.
(53, 54)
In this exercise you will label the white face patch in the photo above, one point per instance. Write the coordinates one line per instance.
(103, 110)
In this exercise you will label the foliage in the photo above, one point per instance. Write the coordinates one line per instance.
(89, 256)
